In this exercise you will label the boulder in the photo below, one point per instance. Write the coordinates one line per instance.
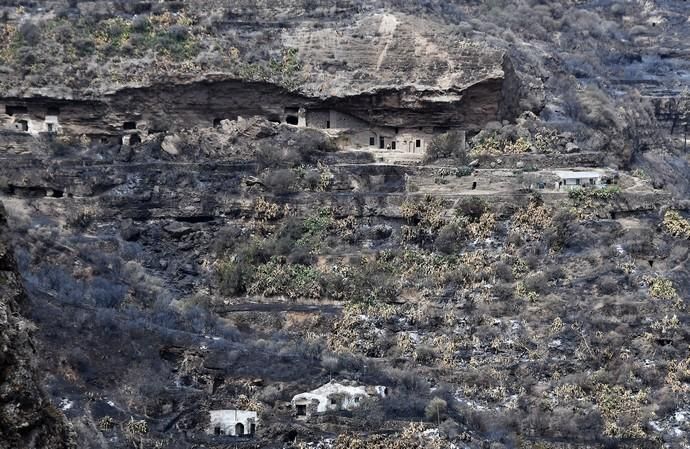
(177, 230)
(129, 231)
(570, 147)
(171, 144)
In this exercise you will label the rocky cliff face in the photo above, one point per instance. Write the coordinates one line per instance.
(27, 419)
(216, 263)
(390, 68)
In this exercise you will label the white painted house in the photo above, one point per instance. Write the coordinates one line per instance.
(568, 179)
(335, 396)
(233, 422)
(354, 132)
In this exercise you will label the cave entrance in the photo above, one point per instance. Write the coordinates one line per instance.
(134, 139)
(216, 122)
(217, 431)
(292, 120)
(23, 125)
(301, 410)
(129, 125)
(474, 185)
(11, 110)
(252, 428)
(239, 429)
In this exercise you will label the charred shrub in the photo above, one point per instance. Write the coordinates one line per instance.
(472, 207)
(450, 238)
(281, 181)
(30, 33)
(608, 285)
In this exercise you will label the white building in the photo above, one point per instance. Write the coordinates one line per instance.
(354, 132)
(334, 396)
(572, 179)
(32, 119)
(233, 422)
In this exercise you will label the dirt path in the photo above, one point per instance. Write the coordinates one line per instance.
(326, 309)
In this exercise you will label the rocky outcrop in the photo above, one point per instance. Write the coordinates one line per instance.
(209, 100)
(390, 69)
(385, 49)
(27, 419)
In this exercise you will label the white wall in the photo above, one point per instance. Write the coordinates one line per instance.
(572, 183)
(348, 397)
(318, 118)
(227, 421)
(36, 123)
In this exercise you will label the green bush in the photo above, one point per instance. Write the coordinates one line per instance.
(583, 194)
(436, 410)
(446, 145)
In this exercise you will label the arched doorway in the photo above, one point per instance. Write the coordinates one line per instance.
(239, 429)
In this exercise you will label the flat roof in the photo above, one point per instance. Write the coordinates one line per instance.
(567, 174)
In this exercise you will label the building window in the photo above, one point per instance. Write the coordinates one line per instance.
(334, 402)
(328, 124)
(382, 143)
(418, 143)
(357, 399)
(23, 125)
(372, 141)
(301, 410)
(50, 127)
(217, 431)
(393, 145)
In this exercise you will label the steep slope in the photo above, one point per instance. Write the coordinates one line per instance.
(27, 418)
